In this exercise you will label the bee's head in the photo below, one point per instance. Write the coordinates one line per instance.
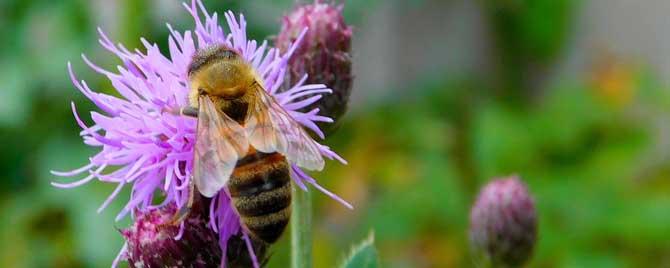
(220, 71)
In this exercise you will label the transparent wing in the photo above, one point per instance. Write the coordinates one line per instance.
(220, 141)
(271, 129)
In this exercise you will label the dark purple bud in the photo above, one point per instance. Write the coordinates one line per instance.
(151, 241)
(503, 223)
(324, 54)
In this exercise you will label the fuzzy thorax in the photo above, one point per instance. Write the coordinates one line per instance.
(223, 79)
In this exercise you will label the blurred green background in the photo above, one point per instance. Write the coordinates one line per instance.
(571, 95)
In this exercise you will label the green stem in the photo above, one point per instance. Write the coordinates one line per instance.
(301, 229)
(462, 150)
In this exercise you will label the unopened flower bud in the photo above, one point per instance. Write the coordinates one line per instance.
(151, 241)
(324, 55)
(503, 224)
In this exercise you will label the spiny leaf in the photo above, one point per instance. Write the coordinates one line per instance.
(363, 255)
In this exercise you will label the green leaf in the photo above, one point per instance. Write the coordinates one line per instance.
(363, 255)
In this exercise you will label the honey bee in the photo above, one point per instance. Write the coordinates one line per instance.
(245, 142)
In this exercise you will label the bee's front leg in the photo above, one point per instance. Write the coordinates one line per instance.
(187, 111)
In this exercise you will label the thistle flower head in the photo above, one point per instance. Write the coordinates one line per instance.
(150, 150)
(324, 54)
(151, 243)
(503, 223)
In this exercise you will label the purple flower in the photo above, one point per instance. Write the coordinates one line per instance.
(325, 54)
(144, 147)
(503, 223)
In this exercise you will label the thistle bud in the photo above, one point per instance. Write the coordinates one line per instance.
(151, 241)
(324, 55)
(503, 223)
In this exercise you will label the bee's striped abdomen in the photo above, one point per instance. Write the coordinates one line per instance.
(261, 192)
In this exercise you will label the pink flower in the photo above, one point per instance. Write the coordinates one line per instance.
(150, 150)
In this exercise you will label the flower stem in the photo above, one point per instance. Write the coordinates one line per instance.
(301, 229)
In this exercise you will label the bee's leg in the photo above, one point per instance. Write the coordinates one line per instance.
(183, 212)
(189, 111)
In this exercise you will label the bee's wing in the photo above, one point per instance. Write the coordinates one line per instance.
(220, 141)
(271, 129)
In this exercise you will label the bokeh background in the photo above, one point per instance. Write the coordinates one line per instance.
(571, 95)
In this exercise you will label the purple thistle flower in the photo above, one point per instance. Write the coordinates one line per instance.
(503, 223)
(150, 149)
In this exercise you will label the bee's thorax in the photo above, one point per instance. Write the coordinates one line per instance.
(235, 109)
